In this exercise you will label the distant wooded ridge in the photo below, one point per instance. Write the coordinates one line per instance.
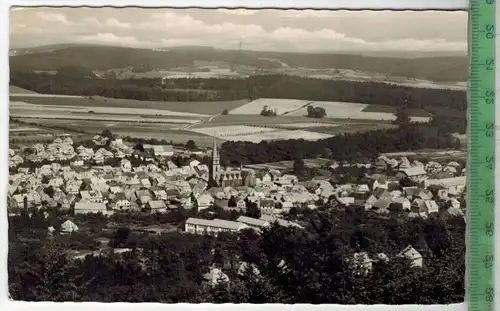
(96, 57)
(78, 81)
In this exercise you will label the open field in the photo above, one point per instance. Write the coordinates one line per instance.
(200, 108)
(17, 90)
(286, 165)
(430, 154)
(25, 133)
(43, 115)
(134, 129)
(16, 106)
(336, 110)
(354, 128)
(391, 109)
(282, 106)
(343, 110)
(258, 134)
(280, 121)
(306, 125)
(232, 130)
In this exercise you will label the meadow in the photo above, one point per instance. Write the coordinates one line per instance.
(198, 108)
(335, 110)
(200, 121)
(282, 106)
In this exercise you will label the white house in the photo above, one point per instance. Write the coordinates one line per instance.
(204, 201)
(215, 277)
(68, 226)
(157, 206)
(361, 262)
(161, 150)
(412, 254)
(212, 227)
(416, 173)
(125, 165)
(90, 207)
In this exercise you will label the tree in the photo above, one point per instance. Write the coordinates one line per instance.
(231, 202)
(407, 182)
(107, 133)
(49, 191)
(45, 180)
(402, 117)
(315, 112)
(268, 112)
(139, 147)
(252, 210)
(298, 166)
(457, 144)
(120, 237)
(191, 145)
(225, 112)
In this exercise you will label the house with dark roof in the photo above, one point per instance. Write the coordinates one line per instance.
(156, 206)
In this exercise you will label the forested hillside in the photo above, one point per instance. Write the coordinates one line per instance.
(78, 81)
(94, 57)
(362, 147)
(310, 266)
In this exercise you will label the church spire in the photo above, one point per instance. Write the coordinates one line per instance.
(215, 159)
(214, 152)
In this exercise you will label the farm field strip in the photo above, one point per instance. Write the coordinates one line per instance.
(43, 95)
(392, 109)
(18, 90)
(92, 117)
(284, 165)
(110, 110)
(25, 129)
(306, 125)
(98, 125)
(236, 130)
(198, 108)
(278, 135)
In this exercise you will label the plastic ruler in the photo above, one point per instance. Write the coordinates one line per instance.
(480, 279)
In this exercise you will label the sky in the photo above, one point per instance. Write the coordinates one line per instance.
(261, 30)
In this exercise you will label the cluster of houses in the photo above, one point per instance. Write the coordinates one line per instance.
(156, 184)
(155, 187)
(433, 186)
(62, 149)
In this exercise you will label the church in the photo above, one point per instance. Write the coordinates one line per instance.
(224, 177)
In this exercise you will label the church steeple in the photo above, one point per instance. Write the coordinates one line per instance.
(215, 159)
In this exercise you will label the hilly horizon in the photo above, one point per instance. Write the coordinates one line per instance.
(198, 48)
(103, 58)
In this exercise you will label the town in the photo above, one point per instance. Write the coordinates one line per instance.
(237, 156)
(110, 177)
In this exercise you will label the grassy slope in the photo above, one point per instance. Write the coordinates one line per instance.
(391, 109)
(209, 108)
(17, 90)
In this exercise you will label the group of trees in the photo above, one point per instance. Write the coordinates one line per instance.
(268, 112)
(313, 265)
(316, 112)
(362, 146)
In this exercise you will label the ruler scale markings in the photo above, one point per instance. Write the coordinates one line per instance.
(481, 135)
